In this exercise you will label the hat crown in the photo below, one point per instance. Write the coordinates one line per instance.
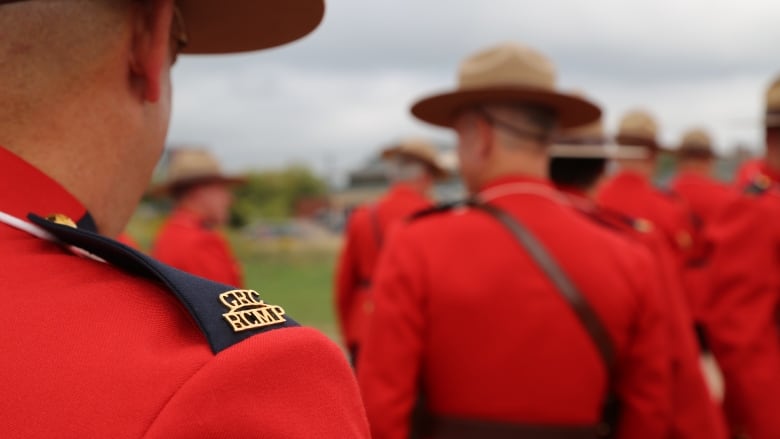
(773, 97)
(638, 125)
(696, 139)
(507, 65)
(419, 149)
(191, 163)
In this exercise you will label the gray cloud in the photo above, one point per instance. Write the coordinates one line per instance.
(336, 96)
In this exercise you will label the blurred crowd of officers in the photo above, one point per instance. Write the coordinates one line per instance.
(567, 296)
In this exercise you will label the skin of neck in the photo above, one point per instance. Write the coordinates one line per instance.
(487, 153)
(700, 167)
(100, 131)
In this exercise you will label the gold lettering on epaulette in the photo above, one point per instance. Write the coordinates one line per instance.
(684, 240)
(247, 311)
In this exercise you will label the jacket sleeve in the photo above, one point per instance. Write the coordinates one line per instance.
(390, 360)
(285, 384)
(742, 316)
(347, 279)
(644, 384)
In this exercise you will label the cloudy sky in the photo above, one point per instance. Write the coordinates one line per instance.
(334, 98)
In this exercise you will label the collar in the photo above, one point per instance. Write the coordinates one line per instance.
(404, 190)
(24, 190)
(517, 184)
(628, 177)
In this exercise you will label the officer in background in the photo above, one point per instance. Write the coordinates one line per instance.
(695, 183)
(190, 239)
(413, 167)
(743, 309)
(630, 191)
(513, 315)
(765, 172)
(578, 166)
(100, 340)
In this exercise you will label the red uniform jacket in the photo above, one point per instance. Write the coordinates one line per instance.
(744, 313)
(366, 233)
(695, 413)
(91, 351)
(707, 198)
(633, 195)
(187, 243)
(464, 313)
(752, 169)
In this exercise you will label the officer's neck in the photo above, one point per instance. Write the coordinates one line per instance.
(644, 168)
(95, 163)
(702, 168)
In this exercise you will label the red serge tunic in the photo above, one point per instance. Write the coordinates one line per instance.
(694, 412)
(743, 313)
(707, 198)
(367, 230)
(463, 313)
(187, 243)
(91, 351)
(753, 169)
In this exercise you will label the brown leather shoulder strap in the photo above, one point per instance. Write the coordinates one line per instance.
(563, 284)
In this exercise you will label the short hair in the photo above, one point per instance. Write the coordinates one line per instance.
(578, 173)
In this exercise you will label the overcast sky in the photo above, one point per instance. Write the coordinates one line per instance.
(335, 97)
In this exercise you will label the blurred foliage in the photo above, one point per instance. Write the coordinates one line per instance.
(273, 195)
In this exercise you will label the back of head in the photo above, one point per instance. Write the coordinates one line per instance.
(53, 51)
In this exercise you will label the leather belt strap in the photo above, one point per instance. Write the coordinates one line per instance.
(587, 316)
(448, 428)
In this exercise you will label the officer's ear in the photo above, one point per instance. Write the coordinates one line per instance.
(151, 44)
(486, 138)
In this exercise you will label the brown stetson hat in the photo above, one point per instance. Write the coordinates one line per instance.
(696, 143)
(590, 142)
(638, 128)
(772, 115)
(227, 26)
(421, 150)
(192, 166)
(506, 74)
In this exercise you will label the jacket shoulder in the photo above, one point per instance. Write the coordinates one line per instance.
(224, 314)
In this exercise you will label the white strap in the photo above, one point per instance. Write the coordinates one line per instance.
(24, 226)
(38, 232)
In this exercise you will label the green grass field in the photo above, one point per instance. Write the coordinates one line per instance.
(300, 282)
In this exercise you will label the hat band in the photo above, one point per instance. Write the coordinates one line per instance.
(624, 140)
(585, 140)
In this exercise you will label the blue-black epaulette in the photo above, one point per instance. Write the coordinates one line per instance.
(437, 209)
(226, 315)
(758, 185)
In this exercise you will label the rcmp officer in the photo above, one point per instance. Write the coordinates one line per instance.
(742, 313)
(631, 192)
(413, 167)
(706, 197)
(766, 171)
(100, 340)
(190, 239)
(578, 164)
(512, 315)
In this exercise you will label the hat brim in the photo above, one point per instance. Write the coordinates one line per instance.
(229, 26)
(168, 188)
(441, 109)
(439, 172)
(607, 151)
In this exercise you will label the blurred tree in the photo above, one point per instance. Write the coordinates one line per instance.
(273, 194)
